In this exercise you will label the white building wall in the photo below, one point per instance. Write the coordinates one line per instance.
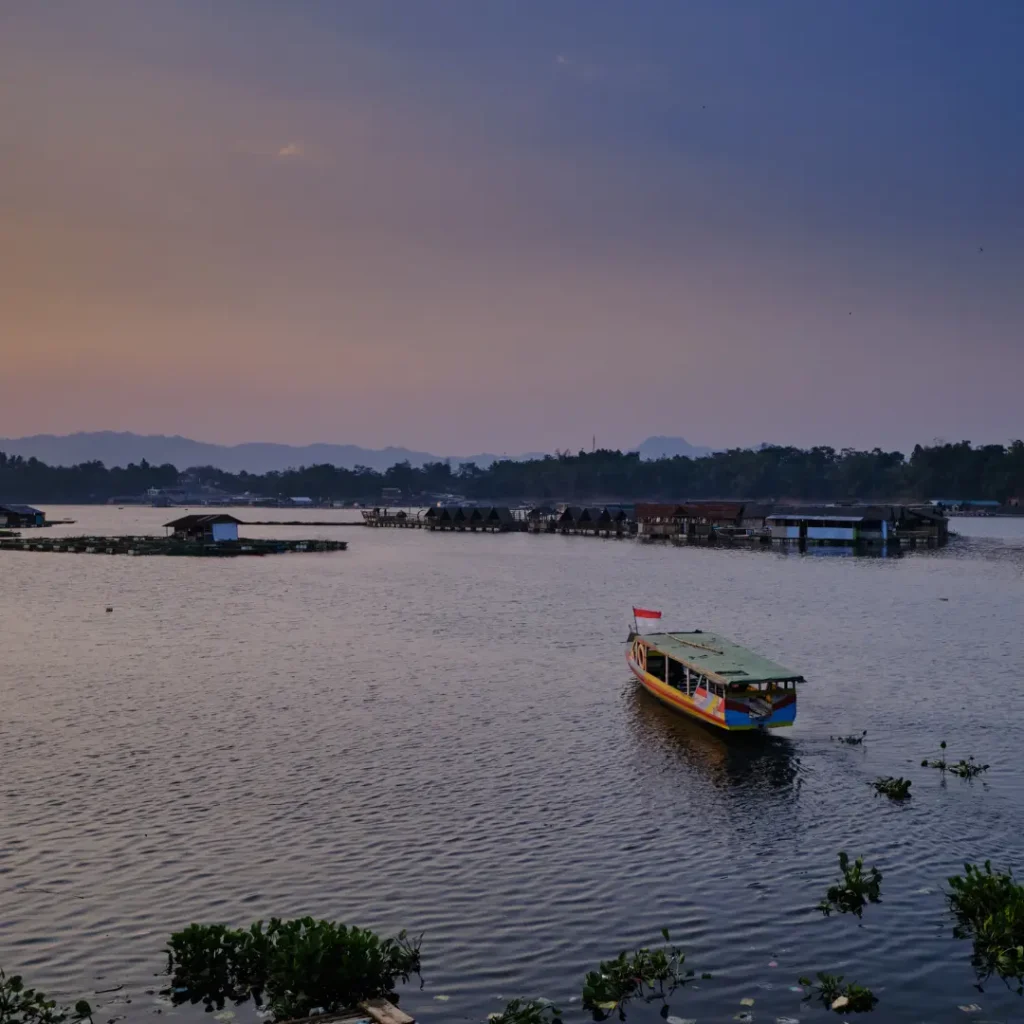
(847, 533)
(225, 531)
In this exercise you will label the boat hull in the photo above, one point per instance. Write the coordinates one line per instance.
(719, 712)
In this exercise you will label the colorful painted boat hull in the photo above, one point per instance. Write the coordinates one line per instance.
(725, 713)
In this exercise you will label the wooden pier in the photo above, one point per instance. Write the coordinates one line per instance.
(149, 545)
(399, 519)
(448, 518)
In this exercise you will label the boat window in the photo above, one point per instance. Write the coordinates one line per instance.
(676, 675)
(656, 663)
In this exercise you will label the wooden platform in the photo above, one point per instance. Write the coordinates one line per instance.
(148, 545)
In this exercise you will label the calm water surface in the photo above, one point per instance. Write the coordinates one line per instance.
(440, 733)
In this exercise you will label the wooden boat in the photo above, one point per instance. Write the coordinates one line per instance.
(714, 680)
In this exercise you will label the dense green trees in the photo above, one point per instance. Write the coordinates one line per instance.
(817, 474)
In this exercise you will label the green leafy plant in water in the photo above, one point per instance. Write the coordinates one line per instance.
(641, 973)
(855, 891)
(831, 991)
(989, 910)
(20, 1005)
(851, 740)
(527, 1011)
(295, 966)
(894, 789)
(968, 769)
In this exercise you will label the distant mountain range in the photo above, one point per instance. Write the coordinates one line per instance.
(119, 449)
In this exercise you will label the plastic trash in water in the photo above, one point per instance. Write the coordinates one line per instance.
(970, 1008)
(442, 999)
(747, 1001)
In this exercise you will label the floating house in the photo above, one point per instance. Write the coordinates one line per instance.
(471, 518)
(859, 525)
(731, 522)
(215, 528)
(20, 517)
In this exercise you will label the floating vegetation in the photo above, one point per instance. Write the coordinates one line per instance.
(528, 1011)
(851, 740)
(894, 789)
(831, 991)
(855, 891)
(634, 974)
(294, 966)
(968, 769)
(940, 763)
(989, 909)
(20, 1005)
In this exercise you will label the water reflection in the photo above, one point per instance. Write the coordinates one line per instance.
(753, 761)
(841, 551)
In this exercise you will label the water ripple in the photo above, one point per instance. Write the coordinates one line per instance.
(439, 733)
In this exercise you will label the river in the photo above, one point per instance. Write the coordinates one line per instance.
(439, 732)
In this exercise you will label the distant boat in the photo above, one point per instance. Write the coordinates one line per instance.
(710, 678)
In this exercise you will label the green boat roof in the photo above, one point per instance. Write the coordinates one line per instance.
(719, 658)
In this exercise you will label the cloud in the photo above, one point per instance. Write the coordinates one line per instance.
(290, 151)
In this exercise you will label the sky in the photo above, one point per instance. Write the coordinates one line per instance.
(513, 225)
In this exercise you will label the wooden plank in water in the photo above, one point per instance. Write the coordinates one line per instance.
(380, 1011)
(383, 1012)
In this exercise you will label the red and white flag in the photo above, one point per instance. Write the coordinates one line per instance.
(645, 613)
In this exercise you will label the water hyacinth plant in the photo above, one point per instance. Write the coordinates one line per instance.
(894, 789)
(940, 761)
(851, 740)
(856, 889)
(294, 966)
(642, 973)
(528, 1011)
(968, 769)
(989, 910)
(21, 1005)
(831, 991)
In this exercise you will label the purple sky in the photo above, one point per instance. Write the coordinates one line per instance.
(511, 225)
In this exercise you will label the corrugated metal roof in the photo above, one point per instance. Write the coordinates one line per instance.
(185, 522)
(21, 510)
(719, 658)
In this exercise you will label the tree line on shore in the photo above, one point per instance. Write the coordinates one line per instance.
(951, 471)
